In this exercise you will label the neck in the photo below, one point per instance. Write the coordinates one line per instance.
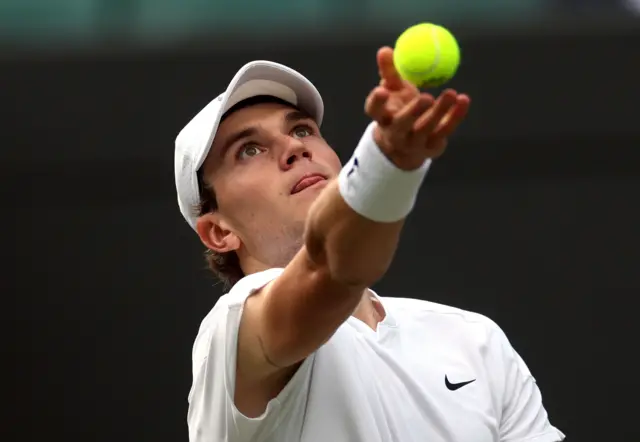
(369, 310)
(250, 264)
(270, 255)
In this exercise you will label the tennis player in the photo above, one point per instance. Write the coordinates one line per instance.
(300, 349)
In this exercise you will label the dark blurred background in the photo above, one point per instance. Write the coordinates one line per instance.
(531, 218)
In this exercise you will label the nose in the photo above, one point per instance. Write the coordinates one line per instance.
(294, 151)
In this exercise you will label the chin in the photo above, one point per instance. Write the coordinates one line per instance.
(302, 206)
(304, 200)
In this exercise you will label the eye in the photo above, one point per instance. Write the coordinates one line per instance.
(302, 131)
(249, 150)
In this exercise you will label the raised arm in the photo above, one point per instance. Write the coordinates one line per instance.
(351, 235)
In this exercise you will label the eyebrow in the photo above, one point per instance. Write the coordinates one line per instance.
(245, 133)
(290, 117)
(296, 115)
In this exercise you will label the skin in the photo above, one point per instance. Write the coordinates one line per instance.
(330, 253)
(252, 176)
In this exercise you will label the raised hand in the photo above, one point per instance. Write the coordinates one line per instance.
(412, 125)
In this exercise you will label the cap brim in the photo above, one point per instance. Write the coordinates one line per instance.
(253, 79)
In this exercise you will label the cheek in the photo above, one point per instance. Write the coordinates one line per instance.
(335, 162)
(246, 196)
(326, 155)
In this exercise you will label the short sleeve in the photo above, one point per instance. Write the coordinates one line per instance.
(523, 417)
(212, 414)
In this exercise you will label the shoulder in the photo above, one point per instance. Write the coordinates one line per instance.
(469, 332)
(212, 413)
(443, 319)
(238, 294)
(225, 315)
(416, 309)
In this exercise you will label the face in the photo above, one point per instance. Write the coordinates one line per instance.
(267, 165)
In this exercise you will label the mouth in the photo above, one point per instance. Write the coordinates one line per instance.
(307, 181)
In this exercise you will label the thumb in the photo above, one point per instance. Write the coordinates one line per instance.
(387, 69)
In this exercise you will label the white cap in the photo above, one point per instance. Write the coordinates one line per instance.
(253, 79)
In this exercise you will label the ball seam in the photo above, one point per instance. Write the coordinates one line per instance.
(436, 58)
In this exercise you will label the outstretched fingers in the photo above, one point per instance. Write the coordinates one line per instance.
(387, 69)
(456, 115)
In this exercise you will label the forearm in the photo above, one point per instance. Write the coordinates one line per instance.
(354, 227)
(356, 251)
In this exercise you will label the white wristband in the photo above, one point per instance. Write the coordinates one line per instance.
(374, 187)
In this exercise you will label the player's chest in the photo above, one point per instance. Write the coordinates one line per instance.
(406, 393)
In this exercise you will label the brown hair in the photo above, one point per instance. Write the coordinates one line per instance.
(226, 266)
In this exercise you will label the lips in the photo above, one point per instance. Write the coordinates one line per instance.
(307, 180)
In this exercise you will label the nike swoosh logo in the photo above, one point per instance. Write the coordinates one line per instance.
(454, 387)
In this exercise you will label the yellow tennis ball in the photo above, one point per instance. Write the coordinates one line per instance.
(426, 55)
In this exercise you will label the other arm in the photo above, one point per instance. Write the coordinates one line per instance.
(523, 417)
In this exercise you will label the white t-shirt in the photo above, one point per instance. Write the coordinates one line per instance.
(406, 381)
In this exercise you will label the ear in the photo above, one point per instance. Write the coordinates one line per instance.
(216, 234)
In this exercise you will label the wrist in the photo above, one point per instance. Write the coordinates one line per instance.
(375, 187)
(402, 160)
